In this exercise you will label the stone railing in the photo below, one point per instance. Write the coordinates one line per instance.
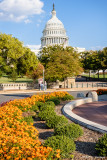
(17, 86)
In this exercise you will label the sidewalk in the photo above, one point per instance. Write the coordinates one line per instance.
(50, 90)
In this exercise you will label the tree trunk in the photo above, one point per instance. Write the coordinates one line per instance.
(89, 74)
(104, 73)
(98, 74)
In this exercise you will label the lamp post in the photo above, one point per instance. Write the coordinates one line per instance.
(43, 80)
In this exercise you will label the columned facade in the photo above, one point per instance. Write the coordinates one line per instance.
(54, 32)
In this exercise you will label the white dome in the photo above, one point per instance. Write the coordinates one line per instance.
(54, 22)
(54, 32)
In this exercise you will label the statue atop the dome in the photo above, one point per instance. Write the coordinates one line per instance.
(53, 7)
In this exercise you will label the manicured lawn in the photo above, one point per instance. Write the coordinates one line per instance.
(5, 79)
(95, 76)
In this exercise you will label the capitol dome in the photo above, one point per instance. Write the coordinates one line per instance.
(54, 32)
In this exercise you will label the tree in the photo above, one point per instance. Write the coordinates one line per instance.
(13, 75)
(13, 55)
(38, 73)
(60, 62)
(103, 57)
(27, 63)
(95, 60)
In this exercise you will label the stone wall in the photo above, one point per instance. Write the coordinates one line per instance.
(67, 83)
(16, 86)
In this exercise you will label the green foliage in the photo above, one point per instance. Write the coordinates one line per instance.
(47, 108)
(38, 72)
(13, 75)
(35, 108)
(71, 130)
(101, 146)
(67, 97)
(45, 114)
(65, 144)
(50, 103)
(40, 104)
(60, 62)
(55, 100)
(101, 91)
(14, 55)
(27, 63)
(28, 119)
(0, 73)
(54, 120)
(94, 60)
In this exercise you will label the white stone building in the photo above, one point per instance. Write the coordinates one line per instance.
(54, 32)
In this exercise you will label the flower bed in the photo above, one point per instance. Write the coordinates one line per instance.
(18, 140)
(101, 91)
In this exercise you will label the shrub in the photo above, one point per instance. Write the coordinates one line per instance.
(67, 97)
(53, 121)
(35, 108)
(55, 100)
(101, 91)
(44, 115)
(50, 103)
(71, 130)
(47, 107)
(101, 146)
(65, 144)
(39, 104)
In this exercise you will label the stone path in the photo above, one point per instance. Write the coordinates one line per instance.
(96, 112)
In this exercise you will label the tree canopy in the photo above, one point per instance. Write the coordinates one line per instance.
(15, 57)
(60, 62)
(95, 60)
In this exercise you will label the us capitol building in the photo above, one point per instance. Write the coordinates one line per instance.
(55, 33)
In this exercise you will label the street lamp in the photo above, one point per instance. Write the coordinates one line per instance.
(43, 80)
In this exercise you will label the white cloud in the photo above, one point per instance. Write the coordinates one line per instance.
(32, 47)
(19, 10)
(97, 48)
(27, 21)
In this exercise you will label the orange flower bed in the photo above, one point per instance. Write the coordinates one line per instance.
(101, 91)
(18, 140)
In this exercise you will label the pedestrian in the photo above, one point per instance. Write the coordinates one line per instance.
(41, 86)
(45, 85)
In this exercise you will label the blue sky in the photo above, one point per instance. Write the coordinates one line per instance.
(84, 20)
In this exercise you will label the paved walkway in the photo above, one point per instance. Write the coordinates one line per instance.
(96, 112)
(20, 94)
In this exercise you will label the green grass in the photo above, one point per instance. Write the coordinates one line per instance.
(5, 79)
(95, 76)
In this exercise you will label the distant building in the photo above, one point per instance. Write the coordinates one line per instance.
(54, 33)
(78, 49)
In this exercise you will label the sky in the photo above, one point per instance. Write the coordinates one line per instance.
(85, 21)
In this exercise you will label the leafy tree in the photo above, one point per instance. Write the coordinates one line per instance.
(60, 62)
(13, 55)
(27, 63)
(95, 60)
(13, 75)
(103, 58)
(38, 73)
(11, 49)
